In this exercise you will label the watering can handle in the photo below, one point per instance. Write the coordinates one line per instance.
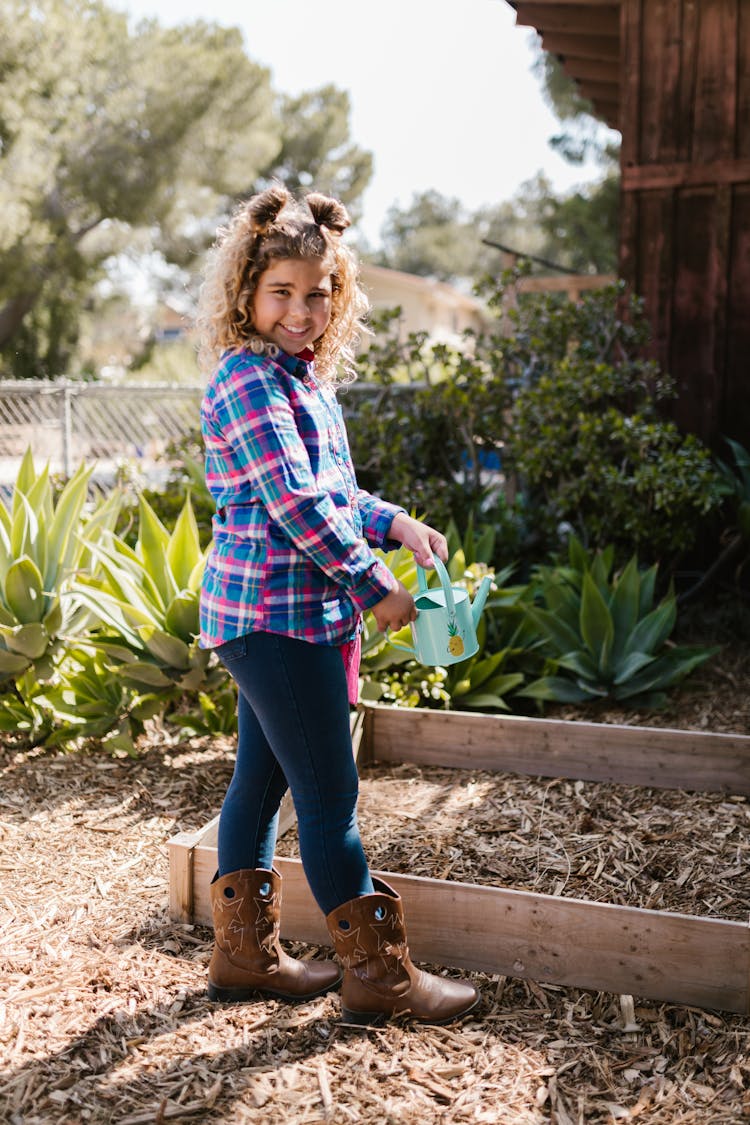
(445, 582)
(397, 644)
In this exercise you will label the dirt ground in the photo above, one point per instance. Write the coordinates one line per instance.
(103, 1014)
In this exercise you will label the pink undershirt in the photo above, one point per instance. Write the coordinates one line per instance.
(351, 653)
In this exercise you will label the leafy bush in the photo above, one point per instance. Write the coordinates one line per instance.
(549, 421)
(602, 633)
(426, 428)
(147, 599)
(586, 438)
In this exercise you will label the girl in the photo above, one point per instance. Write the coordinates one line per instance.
(290, 572)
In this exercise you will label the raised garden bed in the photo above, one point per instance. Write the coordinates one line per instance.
(660, 954)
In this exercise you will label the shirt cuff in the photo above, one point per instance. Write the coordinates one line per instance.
(373, 587)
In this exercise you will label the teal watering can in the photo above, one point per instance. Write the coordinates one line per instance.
(445, 631)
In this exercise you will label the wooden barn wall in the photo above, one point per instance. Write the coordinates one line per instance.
(685, 235)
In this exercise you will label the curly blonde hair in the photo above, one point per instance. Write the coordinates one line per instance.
(264, 229)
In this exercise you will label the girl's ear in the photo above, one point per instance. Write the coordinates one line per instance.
(264, 208)
(328, 212)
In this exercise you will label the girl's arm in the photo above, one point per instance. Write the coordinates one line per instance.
(382, 522)
(420, 538)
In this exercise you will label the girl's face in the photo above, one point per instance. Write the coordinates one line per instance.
(292, 302)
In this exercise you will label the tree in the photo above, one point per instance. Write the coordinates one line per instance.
(433, 236)
(316, 152)
(131, 140)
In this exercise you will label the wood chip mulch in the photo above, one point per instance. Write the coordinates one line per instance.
(103, 1016)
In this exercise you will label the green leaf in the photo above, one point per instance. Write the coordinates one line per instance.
(555, 689)
(53, 619)
(153, 541)
(581, 662)
(25, 478)
(24, 533)
(171, 650)
(627, 666)
(184, 548)
(142, 672)
(560, 635)
(11, 663)
(577, 555)
(666, 670)
(30, 641)
(653, 630)
(182, 616)
(646, 595)
(484, 699)
(62, 537)
(600, 568)
(597, 627)
(624, 605)
(24, 594)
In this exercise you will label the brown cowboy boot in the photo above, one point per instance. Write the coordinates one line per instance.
(247, 957)
(380, 979)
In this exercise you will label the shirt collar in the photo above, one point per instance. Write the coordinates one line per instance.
(300, 364)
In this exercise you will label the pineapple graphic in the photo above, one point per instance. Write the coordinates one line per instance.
(455, 644)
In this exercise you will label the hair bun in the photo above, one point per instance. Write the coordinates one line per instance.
(264, 209)
(328, 212)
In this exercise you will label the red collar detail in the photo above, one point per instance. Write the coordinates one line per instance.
(307, 355)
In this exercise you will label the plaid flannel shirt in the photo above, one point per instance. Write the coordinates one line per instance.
(290, 552)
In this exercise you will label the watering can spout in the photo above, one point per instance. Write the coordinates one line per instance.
(480, 598)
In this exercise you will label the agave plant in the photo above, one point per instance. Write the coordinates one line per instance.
(146, 601)
(43, 543)
(603, 634)
(89, 700)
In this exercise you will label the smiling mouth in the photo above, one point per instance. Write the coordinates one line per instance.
(294, 331)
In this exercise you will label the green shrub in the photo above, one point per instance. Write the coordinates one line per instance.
(586, 438)
(602, 633)
(557, 403)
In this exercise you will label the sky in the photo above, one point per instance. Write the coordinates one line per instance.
(442, 91)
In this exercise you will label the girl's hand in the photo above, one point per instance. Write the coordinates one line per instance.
(395, 610)
(419, 538)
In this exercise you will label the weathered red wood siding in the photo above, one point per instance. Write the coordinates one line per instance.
(685, 235)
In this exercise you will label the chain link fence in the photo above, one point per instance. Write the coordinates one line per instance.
(66, 423)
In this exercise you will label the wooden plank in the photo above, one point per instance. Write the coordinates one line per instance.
(630, 83)
(715, 109)
(598, 47)
(181, 849)
(735, 412)
(660, 43)
(597, 19)
(649, 953)
(677, 174)
(652, 756)
(742, 141)
(597, 70)
(655, 282)
(692, 348)
(599, 91)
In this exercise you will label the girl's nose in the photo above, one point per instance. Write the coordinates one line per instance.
(299, 308)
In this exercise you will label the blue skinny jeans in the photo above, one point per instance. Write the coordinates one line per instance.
(293, 719)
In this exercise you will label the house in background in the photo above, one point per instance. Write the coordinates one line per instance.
(443, 311)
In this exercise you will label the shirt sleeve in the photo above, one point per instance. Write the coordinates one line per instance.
(377, 517)
(254, 415)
